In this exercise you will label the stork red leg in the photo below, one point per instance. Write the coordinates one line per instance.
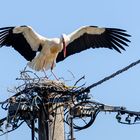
(45, 74)
(53, 72)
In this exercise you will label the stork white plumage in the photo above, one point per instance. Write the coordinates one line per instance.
(51, 50)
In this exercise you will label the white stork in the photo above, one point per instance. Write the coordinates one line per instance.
(53, 50)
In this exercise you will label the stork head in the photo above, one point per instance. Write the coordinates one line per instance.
(65, 39)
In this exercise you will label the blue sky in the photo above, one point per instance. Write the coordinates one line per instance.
(51, 19)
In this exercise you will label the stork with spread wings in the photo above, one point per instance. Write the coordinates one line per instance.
(28, 42)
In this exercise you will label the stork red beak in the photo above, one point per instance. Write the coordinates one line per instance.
(64, 47)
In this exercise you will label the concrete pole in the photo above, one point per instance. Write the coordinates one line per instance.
(43, 126)
(53, 129)
(56, 127)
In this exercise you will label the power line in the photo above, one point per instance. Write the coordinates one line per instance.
(112, 75)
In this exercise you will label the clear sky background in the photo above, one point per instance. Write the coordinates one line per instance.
(51, 18)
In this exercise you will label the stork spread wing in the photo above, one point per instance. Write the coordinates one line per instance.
(94, 37)
(17, 41)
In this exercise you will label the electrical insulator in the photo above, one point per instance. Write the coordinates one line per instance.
(128, 119)
(137, 118)
(118, 117)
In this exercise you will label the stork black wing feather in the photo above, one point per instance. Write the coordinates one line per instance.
(7, 28)
(120, 37)
(121, 33)
(111, 38)
(119, 40)
(116, 29)
(17, 41)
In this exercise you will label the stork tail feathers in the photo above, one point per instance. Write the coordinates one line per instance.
(41, 63)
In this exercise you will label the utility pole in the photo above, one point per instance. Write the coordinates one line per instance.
(56, 127)
(49, 102)
(51, 122)
(43, 125)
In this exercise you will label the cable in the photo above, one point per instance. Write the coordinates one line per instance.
(12, 129)
(111, 76)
